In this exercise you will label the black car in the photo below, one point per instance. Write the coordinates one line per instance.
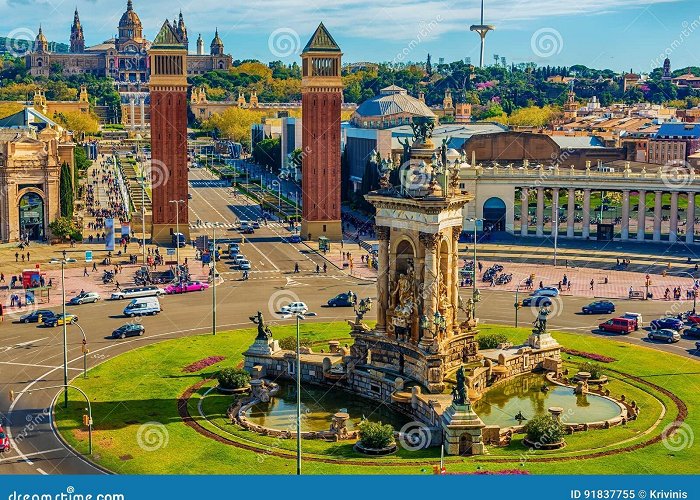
(33, 317)
(248, 230)
(537, 301)
(599, 307)
(343, 300)
(128, 330)
(693, 331)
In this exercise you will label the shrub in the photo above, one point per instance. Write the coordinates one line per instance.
(376, 435)
(594, 369)
(492, 341)
(544, 429)
(588, 355)
(290, 343)
(233, 378)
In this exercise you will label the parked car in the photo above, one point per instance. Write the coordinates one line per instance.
(189, 286)
(33, 317)
(694, 318)
(537, 301)
(667, 323)
(599, 307)
(59, 319)
(343, 300)
(693, 331)
(143, 307)
(139, 291)
(295, 308)
(617, 325)
(84, 298)
(128, 330)
(546, 291)
(4, 441)
(665, 335)
(638, 323)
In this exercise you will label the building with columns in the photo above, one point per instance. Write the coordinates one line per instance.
(136, 111)
(651, 203)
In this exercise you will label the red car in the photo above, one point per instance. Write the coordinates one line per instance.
(694, 318)
(4, 441)
(618, 325)
(190, 286)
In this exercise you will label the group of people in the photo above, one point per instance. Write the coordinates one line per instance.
(100, 210)
(677, 292)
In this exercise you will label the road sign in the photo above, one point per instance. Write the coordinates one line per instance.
(88, 256)
(171, 251)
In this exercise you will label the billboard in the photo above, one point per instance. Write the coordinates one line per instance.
(109, 235)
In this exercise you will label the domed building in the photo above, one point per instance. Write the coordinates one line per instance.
(391, 108)
(123, 58)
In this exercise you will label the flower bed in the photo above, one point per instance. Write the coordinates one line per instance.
(589, 355)
(203, 363)
(504, 472)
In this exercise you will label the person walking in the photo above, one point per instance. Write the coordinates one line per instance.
(296, 268)
(592, 282)
(85, 272)
(16, 256)
(94, 266)
(325, 268)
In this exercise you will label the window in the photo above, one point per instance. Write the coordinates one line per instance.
(291, 367)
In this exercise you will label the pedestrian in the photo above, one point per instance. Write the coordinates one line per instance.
(566, 263)
(116, 285)
(568, 286)
(541, 284)
(27, 256)
(318, 269)
(16, 257)
(591, 283)
(2, 278)
(325, 268)
(296, 268)
(94, 266)
(23, 257)
(559, 287)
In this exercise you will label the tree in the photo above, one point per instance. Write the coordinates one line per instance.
(234, 123)
(544, 429)
(65, 227)
(429, 67)
(375, 435)
(66, 191)
(268, 152)
(80, 124)
(233, 378)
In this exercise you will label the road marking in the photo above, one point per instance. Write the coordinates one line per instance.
(23, 344)
(7, 459)
(40, 471)
(10, 363)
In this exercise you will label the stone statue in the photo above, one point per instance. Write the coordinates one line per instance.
(459, 391)
(264, 332)
(422, 129)
(406, 156)
(468, 309)
(404, 296)
(443, 298)
(540, 324)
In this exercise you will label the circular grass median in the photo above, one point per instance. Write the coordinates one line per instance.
(155, 413)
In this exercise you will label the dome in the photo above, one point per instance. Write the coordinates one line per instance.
(453, 154)
(40, 36)
(217, 42)
(130, 17)
(393, 100)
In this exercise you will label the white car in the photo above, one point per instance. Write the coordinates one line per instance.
(138, 292)
(244, 265)
(85, 298)
(546, 291)
(295, 308)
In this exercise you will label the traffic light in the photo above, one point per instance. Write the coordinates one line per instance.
(86, 420)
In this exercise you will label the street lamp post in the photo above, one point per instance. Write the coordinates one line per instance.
(517, 303)
(475, 291)
(279, 193)
(213, 273)
(298, 370)
(65, 334)
(177, 230)
(85, 349)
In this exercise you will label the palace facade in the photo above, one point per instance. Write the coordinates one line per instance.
(124, 57)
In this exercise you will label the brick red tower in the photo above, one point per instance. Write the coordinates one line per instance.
(322, 95)
(168, 86)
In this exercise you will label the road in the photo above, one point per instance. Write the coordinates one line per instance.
(31, 357)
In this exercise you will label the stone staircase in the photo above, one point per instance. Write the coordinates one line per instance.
(136, 192)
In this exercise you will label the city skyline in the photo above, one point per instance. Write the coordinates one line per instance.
(554, 33)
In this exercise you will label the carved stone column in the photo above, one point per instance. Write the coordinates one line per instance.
(429, 297)
(454, 285)
(383, 234)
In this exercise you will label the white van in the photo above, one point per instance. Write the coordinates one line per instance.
(143, 307)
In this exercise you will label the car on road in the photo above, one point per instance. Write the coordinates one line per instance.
(348, 299)
(189, 196)
(693, 331)
(665, 335)
(33, 317)
(295, 308)
(599, 307)
(84, 298)
(636, 317)
(128, 330)
(145, 306)
(537, 301)
(694, 318)
(139, 291)
(59, 319)
(188, 286)
(255, 224)
(617, 325)
(4, 441)
(295, 238)
(233, 250)
(244, 265)
(666, 323)
(248, 230)
(546, 291)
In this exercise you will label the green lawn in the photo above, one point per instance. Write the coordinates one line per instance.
(138, 430)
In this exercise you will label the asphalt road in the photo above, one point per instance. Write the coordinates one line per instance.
(31, 357)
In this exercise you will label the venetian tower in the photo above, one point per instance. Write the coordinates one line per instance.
(418, 223)
(168, 86)
(322, 95)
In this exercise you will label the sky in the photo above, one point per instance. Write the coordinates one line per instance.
(616, 34)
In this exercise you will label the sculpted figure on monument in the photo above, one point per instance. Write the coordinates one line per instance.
(404, 295)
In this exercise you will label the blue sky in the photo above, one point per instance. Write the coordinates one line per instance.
(617, 34)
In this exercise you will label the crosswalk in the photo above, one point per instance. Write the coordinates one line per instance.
(227, 225)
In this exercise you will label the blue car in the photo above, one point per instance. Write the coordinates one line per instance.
(599, 307)
(667, 323)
